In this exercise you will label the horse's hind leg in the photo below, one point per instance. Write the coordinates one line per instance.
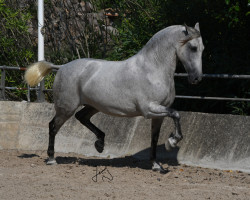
(84, 116)
(54, 126)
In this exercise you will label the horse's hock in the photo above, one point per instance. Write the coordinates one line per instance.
(210, 140)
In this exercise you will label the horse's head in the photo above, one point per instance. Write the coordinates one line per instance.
(190, 53)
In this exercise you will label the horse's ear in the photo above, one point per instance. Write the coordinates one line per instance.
(186, 29)
(197, 26)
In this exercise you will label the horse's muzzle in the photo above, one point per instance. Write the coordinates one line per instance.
(194, 79)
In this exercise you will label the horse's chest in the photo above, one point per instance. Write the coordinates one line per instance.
(164, 93)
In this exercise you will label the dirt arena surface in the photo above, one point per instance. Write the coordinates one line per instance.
(24, 175)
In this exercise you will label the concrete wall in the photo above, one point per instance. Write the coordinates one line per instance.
(216, 141)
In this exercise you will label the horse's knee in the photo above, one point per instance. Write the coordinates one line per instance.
(81, 118)
(78, 116)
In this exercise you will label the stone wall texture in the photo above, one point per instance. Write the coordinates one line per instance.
(210, 140)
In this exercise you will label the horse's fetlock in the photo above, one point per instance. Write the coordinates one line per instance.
(99, 145)
(50, 153)
(101, 137)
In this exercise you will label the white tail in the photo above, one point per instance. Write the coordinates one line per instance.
(37, 71)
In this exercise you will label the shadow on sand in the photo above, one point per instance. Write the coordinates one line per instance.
(138, 160)
(28, 156)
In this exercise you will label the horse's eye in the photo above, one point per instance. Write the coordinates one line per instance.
(194, 49)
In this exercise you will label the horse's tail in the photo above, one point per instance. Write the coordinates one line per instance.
(37, 71)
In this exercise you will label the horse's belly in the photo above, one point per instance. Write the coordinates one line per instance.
(117, 104)
(116, 109)
(120, 112)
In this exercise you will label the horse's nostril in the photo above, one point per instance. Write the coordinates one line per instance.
(196, 80)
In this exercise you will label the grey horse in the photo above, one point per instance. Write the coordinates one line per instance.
(142, 85)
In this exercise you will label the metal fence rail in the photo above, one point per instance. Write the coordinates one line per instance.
(212, 98)
(217, 76)
(3, 78)
(225, 76)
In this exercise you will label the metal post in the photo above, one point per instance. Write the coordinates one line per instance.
(28, 95)
(41, 97)
(2, 87)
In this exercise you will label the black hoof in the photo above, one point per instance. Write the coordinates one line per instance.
(99, 145)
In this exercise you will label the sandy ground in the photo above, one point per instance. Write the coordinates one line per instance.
(24, 175)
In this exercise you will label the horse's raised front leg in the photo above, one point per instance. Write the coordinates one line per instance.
(155, 130)
(162, 111)
(84, 116)
(175, 137)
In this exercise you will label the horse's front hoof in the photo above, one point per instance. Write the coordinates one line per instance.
(51, 162)
(158, 168)
(99, 145)
(170, 144)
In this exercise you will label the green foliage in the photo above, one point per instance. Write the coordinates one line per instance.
(224, 28)
(14, 38)
(14, 28)
(137, 22)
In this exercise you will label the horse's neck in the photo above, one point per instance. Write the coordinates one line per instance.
(159, 56)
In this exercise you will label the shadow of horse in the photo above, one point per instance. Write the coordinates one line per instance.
(137, 160)
(24, 155)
